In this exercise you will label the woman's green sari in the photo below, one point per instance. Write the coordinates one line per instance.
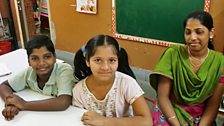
(188, 87)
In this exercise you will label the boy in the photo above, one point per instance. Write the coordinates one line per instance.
(44, 76)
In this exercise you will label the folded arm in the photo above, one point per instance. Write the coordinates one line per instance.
(10, 111)
(142, 117)
(59, 103)
(5, 90)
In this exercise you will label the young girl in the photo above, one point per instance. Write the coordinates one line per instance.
(105, 92)
(44, 76)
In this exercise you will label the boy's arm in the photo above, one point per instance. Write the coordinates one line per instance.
(10, 110)
(59, 103)
(5, 90)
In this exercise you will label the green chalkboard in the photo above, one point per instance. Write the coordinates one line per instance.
(154, 19)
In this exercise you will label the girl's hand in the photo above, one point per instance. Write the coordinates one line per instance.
(93, 119)
(9, 112)
(16, 101)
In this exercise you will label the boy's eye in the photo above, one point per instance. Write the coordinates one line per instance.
(47, 57)
(34, 58)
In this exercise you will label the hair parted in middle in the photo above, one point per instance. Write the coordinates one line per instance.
(206, 20)
(84, 54)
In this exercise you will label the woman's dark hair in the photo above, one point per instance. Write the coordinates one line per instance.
(82, 70)
(205, 18)
(39, 41)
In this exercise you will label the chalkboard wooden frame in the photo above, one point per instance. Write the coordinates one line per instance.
(150, 40)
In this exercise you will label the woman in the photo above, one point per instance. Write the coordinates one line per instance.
(189, 78)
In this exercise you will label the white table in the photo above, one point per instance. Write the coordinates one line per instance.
(69, 117)
(17, 61)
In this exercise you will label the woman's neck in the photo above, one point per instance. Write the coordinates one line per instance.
(197, 58)
(198, 54)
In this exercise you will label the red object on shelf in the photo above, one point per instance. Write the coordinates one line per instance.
(5, 47)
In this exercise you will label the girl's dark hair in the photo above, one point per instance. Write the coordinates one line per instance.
(205, 18)
(39, 41)
(82, 70)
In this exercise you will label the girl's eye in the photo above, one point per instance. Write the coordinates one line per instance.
(112, 60)
(98, 60)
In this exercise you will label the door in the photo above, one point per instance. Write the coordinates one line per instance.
(30, 25)
(8, 25)
(20, 13)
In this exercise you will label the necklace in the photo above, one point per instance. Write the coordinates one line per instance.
(196, 62)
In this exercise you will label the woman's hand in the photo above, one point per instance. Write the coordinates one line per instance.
(93, 119)
(9, 112)
(16, 101)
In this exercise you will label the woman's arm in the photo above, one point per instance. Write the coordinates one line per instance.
(164, 88)
(142, 117)
(59, 103)
(212, 107)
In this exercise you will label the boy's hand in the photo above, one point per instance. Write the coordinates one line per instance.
(93, 119)
(9, 112)
(16, 101)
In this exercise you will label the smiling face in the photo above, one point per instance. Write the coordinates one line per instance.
(103, 63)
(42, 61)
(197, 35)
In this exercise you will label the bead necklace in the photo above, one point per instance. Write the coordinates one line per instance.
(196, 62)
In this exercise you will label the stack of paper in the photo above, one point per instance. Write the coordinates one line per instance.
(4, 70)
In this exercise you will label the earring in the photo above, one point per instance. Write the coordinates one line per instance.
(210, 39)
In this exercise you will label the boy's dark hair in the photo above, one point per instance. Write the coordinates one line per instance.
(81, 69)
(39, 41)
(205, 18)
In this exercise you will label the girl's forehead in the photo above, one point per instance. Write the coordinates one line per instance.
(105, 50)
